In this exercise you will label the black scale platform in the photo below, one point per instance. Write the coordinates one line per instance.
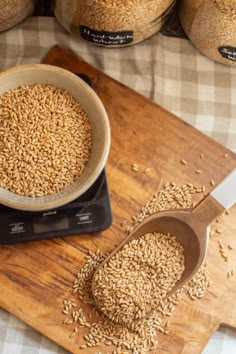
(89, 213)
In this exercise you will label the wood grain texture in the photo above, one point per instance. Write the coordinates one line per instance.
(36, 276)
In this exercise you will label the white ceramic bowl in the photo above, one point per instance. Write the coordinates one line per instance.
(85, 95)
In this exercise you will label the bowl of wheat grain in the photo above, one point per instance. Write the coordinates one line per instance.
(54, 137)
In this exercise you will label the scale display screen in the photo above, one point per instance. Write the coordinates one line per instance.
(53, 225)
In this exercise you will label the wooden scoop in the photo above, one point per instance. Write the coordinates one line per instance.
(189, 226)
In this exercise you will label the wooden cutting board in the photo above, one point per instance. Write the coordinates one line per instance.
(35, 276)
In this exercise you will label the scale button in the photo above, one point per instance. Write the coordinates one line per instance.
(84, 218)
(17, 228)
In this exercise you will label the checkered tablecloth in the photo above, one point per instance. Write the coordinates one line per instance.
(171, 72)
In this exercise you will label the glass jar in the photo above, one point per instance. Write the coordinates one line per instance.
(112, 23)
(211, 27)
(13, 12)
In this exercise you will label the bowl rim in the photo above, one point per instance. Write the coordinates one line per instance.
(53, 201)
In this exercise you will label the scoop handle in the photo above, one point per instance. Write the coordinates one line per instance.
(225, 192)
(222, 197)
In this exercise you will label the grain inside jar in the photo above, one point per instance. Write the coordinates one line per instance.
(112, 22)
(14, 11)
(211, 26)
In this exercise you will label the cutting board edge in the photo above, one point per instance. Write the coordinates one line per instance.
(148, 100)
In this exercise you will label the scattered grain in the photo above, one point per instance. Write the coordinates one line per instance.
(212, 182)
(199, 283)
(198, 172)
(67, 321)
(222, 251)
(184, 162)
(209, 283)
(202, 155)
(83, 346)
(135, 167)
(123, 223)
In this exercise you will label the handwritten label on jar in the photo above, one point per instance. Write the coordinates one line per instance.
(228, 52)
(105, 37)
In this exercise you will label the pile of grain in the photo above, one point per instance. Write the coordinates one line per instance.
(134, 281)
(14, 11)
(211, 26)
(140, 336)
(142, 17)
(45, 140)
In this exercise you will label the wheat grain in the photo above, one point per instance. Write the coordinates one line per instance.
(135, 280)
(14, 11)
(184, 162)
(140, 18)
(212, 182)
(141, 335)
(210, 25)
(45, 140)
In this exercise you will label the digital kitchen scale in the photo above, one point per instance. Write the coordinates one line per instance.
(91, 212)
